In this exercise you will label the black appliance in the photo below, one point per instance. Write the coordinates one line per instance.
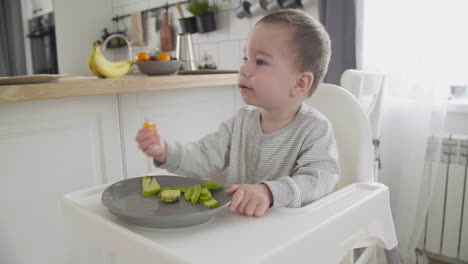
(43, 44)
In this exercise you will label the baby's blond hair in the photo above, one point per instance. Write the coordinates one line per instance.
(311, 42)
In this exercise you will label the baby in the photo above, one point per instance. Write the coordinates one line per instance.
(278, 151)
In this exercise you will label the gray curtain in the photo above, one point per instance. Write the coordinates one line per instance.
(12, 57)
(339, 18)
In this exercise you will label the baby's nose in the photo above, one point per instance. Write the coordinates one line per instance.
(244, 70)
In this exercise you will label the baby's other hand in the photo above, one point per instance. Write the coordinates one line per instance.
(250, 199)
(151, 143)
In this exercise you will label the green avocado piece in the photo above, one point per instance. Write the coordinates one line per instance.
(182, 189)
(189, 192)
(196, 193)
(205, 199)
(211, 203)
(149, 186)
(205, 193)
(170, 196)
(212, 185)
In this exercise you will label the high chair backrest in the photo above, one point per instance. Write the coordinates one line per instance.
(352, 132)
(368, 88)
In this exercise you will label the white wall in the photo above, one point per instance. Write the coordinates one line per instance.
(225, 44)
(78, 25)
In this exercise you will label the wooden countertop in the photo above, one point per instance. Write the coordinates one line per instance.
(81, 86)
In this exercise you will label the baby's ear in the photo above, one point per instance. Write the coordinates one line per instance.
(303, 83)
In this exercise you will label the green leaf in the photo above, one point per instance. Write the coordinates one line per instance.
(201, 7)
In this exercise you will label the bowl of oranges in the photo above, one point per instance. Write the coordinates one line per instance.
(160, 64)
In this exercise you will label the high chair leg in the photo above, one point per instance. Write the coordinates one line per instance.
(392, 256)
(368, 256)
(349, 258)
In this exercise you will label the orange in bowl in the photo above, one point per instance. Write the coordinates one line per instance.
(163, 56)
(142, 56)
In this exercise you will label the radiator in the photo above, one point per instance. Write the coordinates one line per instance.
(446, 228)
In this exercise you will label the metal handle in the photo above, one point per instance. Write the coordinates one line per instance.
(40, 32)
(104, 44)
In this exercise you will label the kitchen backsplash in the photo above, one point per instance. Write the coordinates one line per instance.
(224, 45)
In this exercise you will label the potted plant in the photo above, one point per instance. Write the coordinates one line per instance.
(204, 14)
(187, 24)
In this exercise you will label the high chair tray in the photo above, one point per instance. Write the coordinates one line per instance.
(357, 215)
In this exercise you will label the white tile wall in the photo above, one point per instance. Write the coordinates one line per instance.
(238, 28)
(225, 44)
(229, 54)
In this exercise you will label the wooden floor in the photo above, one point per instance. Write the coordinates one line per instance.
(434, 261)
(438, 261)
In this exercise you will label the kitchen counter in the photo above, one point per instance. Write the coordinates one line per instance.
(82, 86)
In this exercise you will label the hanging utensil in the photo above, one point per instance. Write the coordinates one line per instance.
(181, 12)
(166, 33)
(157, 20)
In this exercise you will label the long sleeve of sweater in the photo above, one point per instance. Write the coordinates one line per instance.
(203, 158)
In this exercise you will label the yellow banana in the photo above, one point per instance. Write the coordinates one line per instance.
(91, 67)
(107, 68)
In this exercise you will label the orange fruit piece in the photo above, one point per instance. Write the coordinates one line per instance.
(163, 56)
(142, 56)
(152, 125)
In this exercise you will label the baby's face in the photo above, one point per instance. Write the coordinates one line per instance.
(269, 72)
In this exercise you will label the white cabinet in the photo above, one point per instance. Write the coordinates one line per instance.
(41, 7)
(180, 114)
(52, 147)
(49, 148)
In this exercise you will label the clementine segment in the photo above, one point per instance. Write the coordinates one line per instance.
(152, 125)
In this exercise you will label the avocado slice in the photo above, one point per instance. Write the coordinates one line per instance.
(149, 186)
(196, 193)
(212, 185)
(170, 196)
(205, 199)
(205, 193)
(211, 203)
(189, 192)
(182, 189)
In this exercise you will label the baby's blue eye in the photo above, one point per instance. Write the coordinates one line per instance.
(260, 62)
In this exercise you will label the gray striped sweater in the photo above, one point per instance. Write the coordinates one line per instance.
(299, 162)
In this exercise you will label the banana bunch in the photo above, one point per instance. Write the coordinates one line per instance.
(103, 68)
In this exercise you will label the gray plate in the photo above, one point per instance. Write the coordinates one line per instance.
(124, 200)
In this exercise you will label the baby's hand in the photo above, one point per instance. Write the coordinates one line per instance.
(151, 142)
(250, 199)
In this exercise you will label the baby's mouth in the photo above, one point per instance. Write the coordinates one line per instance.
(244, 88)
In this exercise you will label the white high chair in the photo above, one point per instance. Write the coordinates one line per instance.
(353, 134)
(357, 214)
(368, 88)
